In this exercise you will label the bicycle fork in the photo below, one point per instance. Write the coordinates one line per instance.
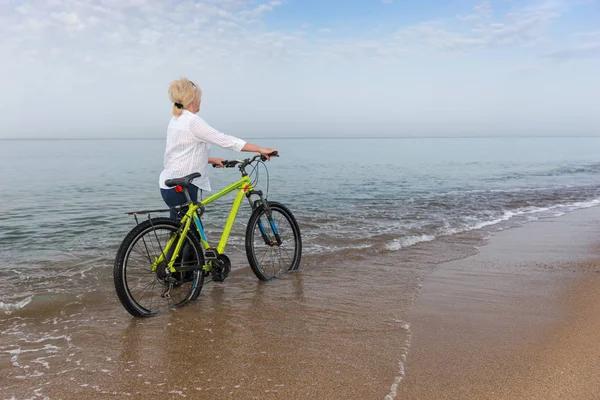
(270, 240)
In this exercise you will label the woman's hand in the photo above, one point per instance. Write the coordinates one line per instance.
(266, 151)
(216, 162)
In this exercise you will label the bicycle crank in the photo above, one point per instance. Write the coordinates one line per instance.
(221, 267)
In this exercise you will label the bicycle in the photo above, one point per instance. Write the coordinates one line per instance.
(162, 263)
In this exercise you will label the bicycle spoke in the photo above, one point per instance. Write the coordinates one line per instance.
(152, 282)
(142, 286)
(147, 251)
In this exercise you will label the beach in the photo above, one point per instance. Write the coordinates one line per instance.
(519, 320)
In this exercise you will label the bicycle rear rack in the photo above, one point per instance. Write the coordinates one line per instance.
(177, 209)
(148, 212)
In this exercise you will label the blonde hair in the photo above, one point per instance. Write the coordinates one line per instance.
(183, 92)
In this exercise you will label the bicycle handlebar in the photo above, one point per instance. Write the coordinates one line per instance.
(228, 164)
(246, 162)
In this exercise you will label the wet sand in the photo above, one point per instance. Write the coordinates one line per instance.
(327, 334)
(519, 320)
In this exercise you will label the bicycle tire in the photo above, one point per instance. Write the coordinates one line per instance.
(146, 234)
(265, 259)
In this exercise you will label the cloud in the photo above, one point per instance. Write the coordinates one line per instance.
(435, 34)
(478, 30)
(585, 45)
(586, 50)
(482, 13)
(483, 29)
(213, 34)
(138, 31)
(595, 34)
(366, 50)
(70, 21)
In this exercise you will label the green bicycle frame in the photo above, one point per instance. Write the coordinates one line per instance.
(243, 186)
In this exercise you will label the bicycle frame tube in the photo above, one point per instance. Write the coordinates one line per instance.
(243, 186)
(201, 231)
(186, 221)
(236, 185)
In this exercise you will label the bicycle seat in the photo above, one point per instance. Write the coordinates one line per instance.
(183, 182)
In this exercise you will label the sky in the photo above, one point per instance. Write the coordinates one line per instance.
(302, 68)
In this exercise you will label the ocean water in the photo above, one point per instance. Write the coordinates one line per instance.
(396, 206)
(63, 201)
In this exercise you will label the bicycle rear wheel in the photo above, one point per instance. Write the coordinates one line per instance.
(144, 292)
(267, 258)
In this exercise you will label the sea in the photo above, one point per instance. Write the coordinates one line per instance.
(367, 208)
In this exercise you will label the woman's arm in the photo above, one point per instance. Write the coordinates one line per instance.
(265, 151)
(201, 130)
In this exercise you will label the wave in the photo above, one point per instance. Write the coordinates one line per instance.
(408, 241)
(569, 170)
(559, 210)
(559, 171)
(401, 362)
(316, 248)
(8, 308)
(583, 204)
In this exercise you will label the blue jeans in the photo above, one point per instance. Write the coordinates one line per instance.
(172, 198)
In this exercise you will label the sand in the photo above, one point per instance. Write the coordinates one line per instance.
(519, 320)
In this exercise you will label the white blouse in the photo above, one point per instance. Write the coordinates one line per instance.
(188, 145)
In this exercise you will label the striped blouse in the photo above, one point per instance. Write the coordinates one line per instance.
(188, 145)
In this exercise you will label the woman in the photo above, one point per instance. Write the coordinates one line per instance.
(188, 144)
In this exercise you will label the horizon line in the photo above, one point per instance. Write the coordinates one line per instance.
(313, 137)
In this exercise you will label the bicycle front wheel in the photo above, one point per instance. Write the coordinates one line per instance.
(144, 292)
(267, 256)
